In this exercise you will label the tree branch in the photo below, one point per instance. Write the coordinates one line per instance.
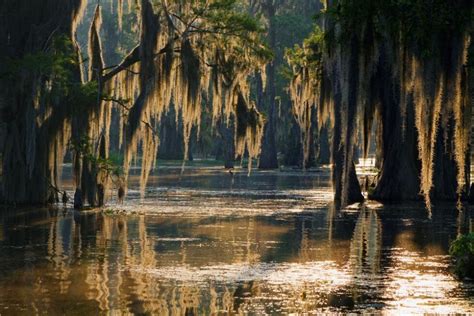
(129, 60)
(123, 104)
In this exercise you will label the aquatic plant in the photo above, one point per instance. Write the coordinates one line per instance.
(462, 251)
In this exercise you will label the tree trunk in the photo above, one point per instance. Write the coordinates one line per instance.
(268, 157)
(324, 151)
(345, 183)
(338, 159)
(225, 146)
(171, 137)
(399, 177)
(470, 99)
(30, 152)
(445, 170)
(310, 160)
(227, 134)
(293, 148)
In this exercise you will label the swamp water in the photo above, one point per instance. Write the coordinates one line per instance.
(207, 242)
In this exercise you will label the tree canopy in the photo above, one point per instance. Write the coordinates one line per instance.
(402, 65)
(190, 54)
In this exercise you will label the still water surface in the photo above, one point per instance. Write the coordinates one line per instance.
(207, 242)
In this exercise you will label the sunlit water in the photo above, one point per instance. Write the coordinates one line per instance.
(207, 242)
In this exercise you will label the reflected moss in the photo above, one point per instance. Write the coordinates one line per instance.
(264, 246)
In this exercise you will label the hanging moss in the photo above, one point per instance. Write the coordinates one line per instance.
(248, 129)
(305, 86)
(185, 49)
(178, 64)
(426, 45)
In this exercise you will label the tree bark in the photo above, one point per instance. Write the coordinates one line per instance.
(399, 177)
(324, 151)
(338, 158)
(445, 170)
(171, 137)
(28, 172)
(228, 144)
(345, 183)
(310, 160)
(268, 157)
(354, 194)
(293, 148)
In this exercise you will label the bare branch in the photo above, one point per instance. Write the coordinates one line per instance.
(131, 59)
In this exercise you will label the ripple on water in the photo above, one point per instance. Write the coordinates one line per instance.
(204, 243)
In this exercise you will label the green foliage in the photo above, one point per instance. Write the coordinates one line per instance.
(116, 42)
(291, 28)
(224, 16)
(106, 165)
(116, 158)
(462, 251)
(415, 22)
(81, 96)
(223, 22)
(56, 64)
(310, 53)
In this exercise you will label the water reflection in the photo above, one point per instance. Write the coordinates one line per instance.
(192, 262)
(366, 244)
(364, 263)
